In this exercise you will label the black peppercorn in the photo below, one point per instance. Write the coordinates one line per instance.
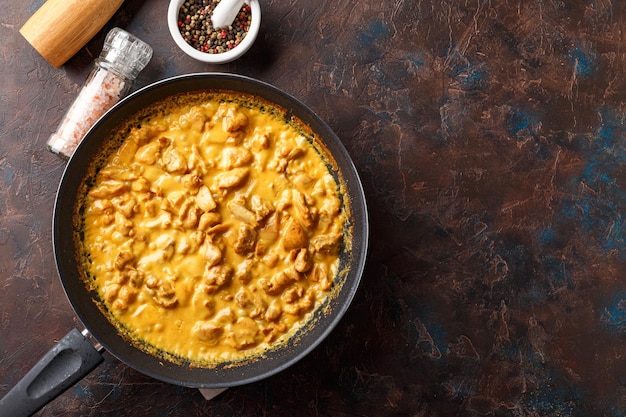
(198, 31)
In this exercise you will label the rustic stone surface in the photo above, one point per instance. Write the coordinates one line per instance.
(490, 137)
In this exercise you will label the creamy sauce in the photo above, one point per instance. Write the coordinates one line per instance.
(214, 231)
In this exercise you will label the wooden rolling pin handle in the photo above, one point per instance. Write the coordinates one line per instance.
(60, 28)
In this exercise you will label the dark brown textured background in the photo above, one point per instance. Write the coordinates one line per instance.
(490, 138)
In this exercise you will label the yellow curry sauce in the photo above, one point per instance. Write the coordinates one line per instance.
(213, 232)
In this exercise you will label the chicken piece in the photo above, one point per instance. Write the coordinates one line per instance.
(196, 162)
(150, 153)
(174, 161)
(260, 207)
(289, 152)
(291, 295)
(122, 224)
(217, 276)
(126, 296)
(208, 220)
(205, 200)
(285, 200)
(245, 240)
(270, 260)
(154, 257)
(243, 333)
(106, 219)
(168, 206)
(192, 217)
(273, 312)
(202, 302)
(269, 233)
(233, 120)
(303, 181)
(258, 307)
(324, 186)
(175, 200)
(278, 164)
(283, 156)
(239, 211)
(189, 214)
(243, 298)
(211, 252)
(151, 207)
(133, 277)
(192, 183)
(108, 189)
(142, 135)
(277, 283)
(304, 304)
(184, 208)
(119, 305)
(127, 151)
(127, 206)
(122, 259)
(119, 174)
(186, 245)
(140, 185)
(232, 178)
(303, 211)
(163, 221)
(225, 316)
(235, 157)
(331, 206)
(102, 206)
(303, 261)
(166, 242)
(260, 141)
(197, 119)
(329, 244)
(207, 332)
(319, 274)
(293, 274)
(110, 292)
(294, 236)
(243, 273)
(162, 292)
(198, 237)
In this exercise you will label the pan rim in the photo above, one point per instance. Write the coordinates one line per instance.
(202, 377)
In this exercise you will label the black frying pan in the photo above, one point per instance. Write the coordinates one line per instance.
(78, 353)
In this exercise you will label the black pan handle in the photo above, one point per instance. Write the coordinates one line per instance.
(65, 364)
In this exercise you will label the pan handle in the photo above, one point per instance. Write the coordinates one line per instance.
(65, 364)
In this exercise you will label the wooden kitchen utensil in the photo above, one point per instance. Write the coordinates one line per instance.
(60, 28)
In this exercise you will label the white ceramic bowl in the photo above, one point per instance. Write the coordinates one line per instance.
(219, 58)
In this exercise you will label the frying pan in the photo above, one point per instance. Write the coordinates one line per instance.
(79, 353)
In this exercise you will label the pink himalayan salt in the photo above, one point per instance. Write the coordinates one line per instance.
(102, 90)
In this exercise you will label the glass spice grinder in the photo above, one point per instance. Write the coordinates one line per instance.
(122, 58)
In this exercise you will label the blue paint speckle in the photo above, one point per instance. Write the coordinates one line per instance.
(550, 237)
(36, 6)
(597, 197)
(428, 318)
(557, 271)
(614, 314)
(8, 175)
(83, 392)
(473, 79)
(417, 59)
(583, 62)
(377, 30)
(551, 399)
(520, 122)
